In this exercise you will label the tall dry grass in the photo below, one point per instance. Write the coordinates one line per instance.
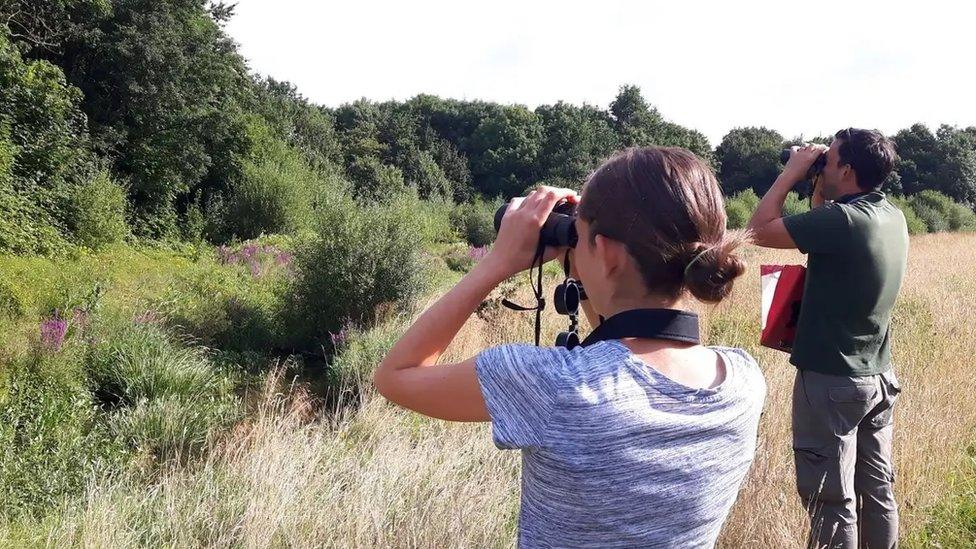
(383, 477)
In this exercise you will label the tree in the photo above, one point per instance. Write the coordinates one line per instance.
(164, 90)
(504, 149)
(749, 159)
(576, 140)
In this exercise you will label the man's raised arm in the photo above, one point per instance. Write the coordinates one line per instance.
(766, 224)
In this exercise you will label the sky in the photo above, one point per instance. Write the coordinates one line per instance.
(801, 68)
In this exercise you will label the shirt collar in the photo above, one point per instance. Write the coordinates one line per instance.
(848, 198)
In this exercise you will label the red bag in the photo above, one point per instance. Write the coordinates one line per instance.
(782, 292)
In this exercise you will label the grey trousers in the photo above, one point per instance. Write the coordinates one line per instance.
(842, 433)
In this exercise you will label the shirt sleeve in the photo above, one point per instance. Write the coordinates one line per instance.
(821, 230)
(520, 384)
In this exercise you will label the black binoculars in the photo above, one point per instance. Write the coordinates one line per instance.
(815, 169)
(559, 229)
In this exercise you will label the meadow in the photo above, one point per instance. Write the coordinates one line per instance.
(277, 465)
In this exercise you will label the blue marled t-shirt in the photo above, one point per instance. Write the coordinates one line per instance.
(614, 453)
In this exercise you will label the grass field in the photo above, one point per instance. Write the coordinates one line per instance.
(293, 475)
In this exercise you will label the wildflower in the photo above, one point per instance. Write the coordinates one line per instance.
(339, 339)
(53, 331)
(283, 259)
(477, 254)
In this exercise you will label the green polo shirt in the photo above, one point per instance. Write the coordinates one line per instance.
(857, 252)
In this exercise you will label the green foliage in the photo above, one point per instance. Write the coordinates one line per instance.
(933, 208)
(914, 222)
(739, 208)
(361, 350)
(164, 90)
(576, 140)
(166, 396)
(99, 214)
(43, 153)
(476, 221)
(961, 218)
(276, 192)
(505, 147)
(944, 161)
(305, 127)
(749, 159)
(49, 433)
(234, 304)
(360, 258)
(795, 205)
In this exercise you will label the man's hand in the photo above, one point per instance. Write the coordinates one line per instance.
(801, 160)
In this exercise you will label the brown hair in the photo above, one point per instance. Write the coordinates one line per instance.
(665, 206)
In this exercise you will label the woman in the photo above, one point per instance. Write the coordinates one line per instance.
(632, 442)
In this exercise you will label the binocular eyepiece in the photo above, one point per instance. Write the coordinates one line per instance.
(815, 169)
(559, 229)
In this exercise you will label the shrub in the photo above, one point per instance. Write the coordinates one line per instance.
(48, 431)
(794, 204)
(236, 303)
(436, 217)
(359, 259)
(99, 212)
(934, 208)
(277, 190)
(740, 207)
(961, 218)
(915, 223)
(476, 221)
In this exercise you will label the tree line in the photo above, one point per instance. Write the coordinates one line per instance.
(140, 117)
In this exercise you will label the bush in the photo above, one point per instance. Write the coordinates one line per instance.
(961, 218)
(476, 221)
(361, 258)
(99, 212)
(277, 191)
(934, 208)
(26, 228)
(794, 204)
(49, 434)
(236, 304)
(915, 223)
(436, 217)
(740, 207)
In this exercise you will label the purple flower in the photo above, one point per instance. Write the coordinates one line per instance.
(53, 331)
(224, 254)
(283, 258)
(255, 267)
(477, 254)
(339, 339)
(249, 251)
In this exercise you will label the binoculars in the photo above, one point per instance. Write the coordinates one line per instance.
(815, 169)
(559, 229)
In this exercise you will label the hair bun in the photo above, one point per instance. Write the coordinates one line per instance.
(712, 268)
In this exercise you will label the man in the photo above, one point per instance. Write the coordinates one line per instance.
(844, 391)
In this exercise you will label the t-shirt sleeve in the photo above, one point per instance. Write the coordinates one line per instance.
(821, 230)
(520, 384)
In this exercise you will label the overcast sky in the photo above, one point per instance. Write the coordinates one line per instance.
(804, 68)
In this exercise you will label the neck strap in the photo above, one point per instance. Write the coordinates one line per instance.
(648, 323)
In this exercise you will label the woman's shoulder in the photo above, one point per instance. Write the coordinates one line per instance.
(743, 366)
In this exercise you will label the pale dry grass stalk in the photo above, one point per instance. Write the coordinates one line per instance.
(383, 477)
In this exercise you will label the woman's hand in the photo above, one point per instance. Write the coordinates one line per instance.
(518, 237)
